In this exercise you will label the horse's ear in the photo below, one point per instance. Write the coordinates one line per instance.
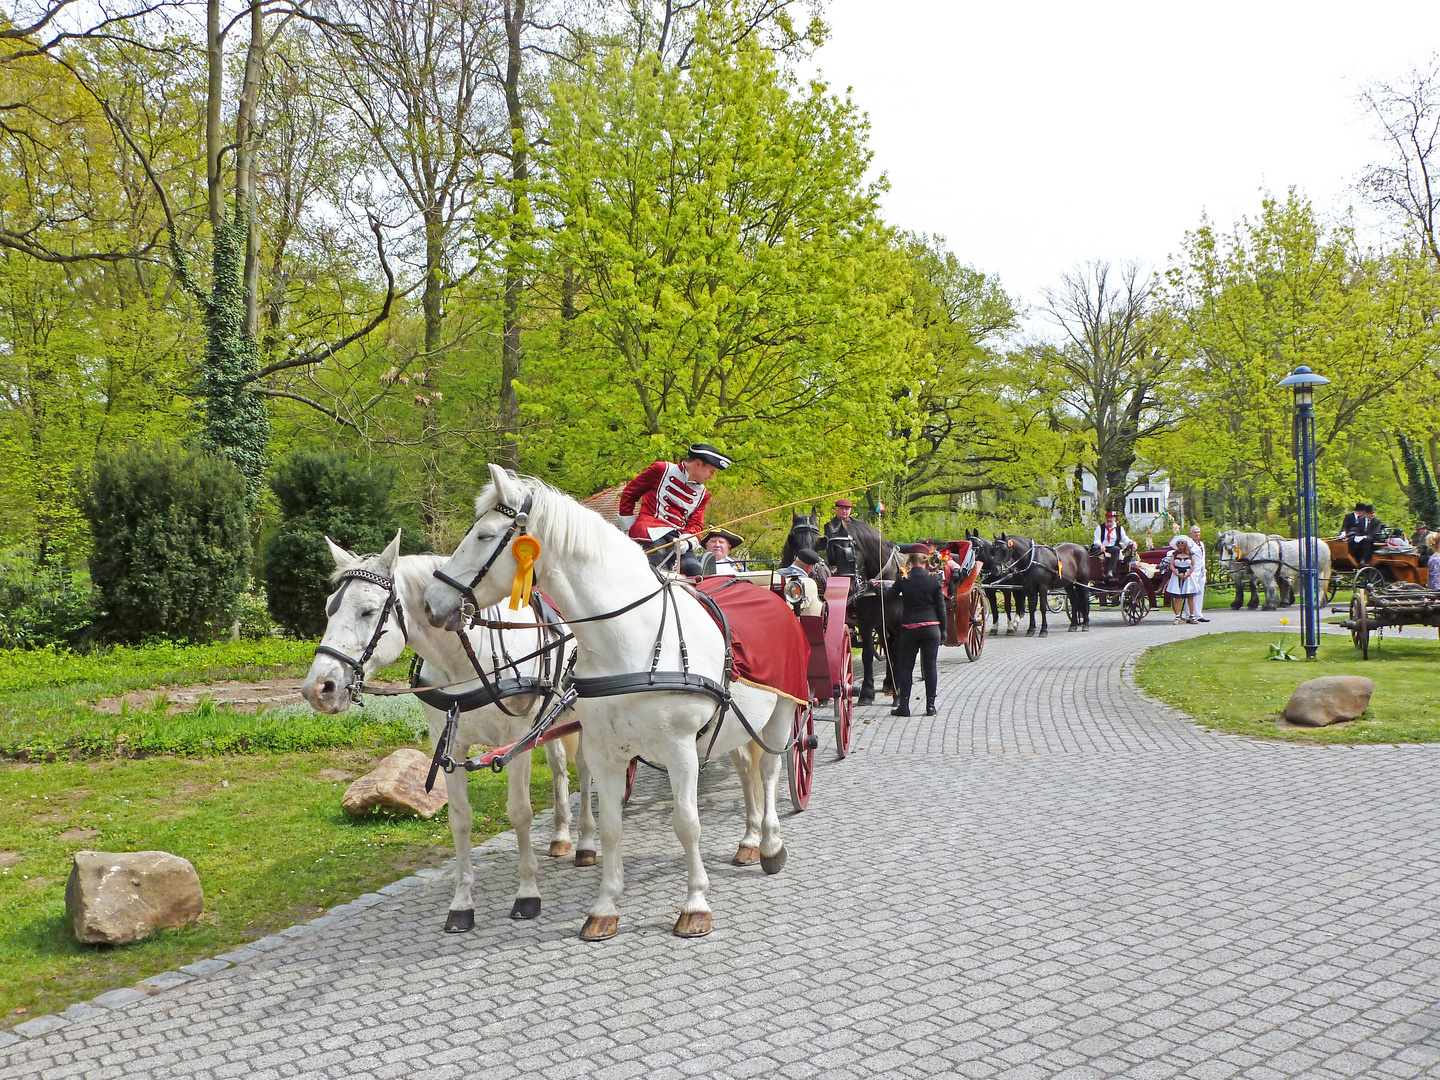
(342, 557)
(504, 483)
(386, 558)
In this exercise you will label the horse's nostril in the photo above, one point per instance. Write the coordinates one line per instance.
(327, 688)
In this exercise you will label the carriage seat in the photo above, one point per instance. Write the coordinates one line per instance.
(774, 580)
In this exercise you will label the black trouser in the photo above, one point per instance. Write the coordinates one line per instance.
(924, 640)
(661, 551)
(1361, 548)
(1112, 560)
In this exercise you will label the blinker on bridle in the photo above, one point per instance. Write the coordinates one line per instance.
(470, 608)
(357, 665)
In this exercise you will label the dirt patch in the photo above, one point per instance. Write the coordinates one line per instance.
(78, 834)
(240, 696)
(335, 776)
(245, 697)
(10, 858)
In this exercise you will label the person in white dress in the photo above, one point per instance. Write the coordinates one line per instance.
(1195, 605)
(1183, 579)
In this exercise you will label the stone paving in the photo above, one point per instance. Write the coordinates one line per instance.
(1054, 878)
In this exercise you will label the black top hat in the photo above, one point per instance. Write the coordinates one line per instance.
(735, 538)
(708, 454)
(1360, 506)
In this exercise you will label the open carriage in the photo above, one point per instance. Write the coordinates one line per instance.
(830, 673)
(1387, 566)
(1136, 588)
(965, 611)
(1400, 604)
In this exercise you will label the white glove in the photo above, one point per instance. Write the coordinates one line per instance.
(687, 543)
(628, 521)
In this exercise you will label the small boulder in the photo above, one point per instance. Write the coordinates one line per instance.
(1329, 700)
(397, 784)
(116, 897)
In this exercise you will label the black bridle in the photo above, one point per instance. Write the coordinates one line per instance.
(356, 685)
(470, 609)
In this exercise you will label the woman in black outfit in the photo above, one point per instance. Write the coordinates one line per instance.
(922, 628)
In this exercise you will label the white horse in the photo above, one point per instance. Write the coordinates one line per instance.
(353, 627)
(616, 608)
(1271, 560)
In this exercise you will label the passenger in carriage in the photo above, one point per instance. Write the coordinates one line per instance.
(1110, 539)
(663, 508)
(718, 545)
(1361, 542)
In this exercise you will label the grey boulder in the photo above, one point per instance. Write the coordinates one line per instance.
(1329, 700)
(116, 897)
(397, 784)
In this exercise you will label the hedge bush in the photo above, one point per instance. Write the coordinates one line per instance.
(321, 494)
(43, 606)
(171, 547)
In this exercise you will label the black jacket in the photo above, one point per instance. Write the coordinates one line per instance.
(1353, 523)
(922, 598)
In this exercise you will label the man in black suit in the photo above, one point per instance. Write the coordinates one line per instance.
(1363, 542)
(1354, 521)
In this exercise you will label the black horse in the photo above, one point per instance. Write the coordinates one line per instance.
(990, 579)
(1038, 568)
(877, 558)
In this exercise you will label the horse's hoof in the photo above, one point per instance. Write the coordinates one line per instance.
(773, 864)
(696, 924)
(1085, 627)
(560, 848)
(585, 857)
(1044, 633)
(1029, 633)
(1071, 629)
(1252, 607)
(460, 922)
(1236, 606)
(525, 907)
(1010, 631)
(746, 856)
(600, 927)
(863, 700)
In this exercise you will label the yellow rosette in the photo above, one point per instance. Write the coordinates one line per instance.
(526, 550)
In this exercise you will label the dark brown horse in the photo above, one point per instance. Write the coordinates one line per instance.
(989, 554)
(877, 558)
(1038, 568)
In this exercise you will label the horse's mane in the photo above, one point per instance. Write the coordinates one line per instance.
(572, 532)
(415, 572)
(874, 548)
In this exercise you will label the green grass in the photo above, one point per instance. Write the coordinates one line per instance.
(266, 834)
(44, 713)
(1226, 683)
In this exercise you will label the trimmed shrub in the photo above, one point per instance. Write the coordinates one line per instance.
(324, 494)
(42, 606)
(171, 544)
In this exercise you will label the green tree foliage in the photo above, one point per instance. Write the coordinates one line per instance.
(717, 272)
(1241, 310)
(986, 419)
(171, 549)
(1420, 482)
(321, 494)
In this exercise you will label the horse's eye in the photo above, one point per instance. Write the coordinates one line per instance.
(369, 613)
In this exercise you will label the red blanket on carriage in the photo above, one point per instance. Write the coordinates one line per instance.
(769, 646)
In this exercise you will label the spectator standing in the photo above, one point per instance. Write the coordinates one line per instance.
(1433, 563)
(1181, 585)
(922, 629)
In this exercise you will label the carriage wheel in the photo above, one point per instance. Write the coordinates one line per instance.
(1367, 577)
(629, 780)
(975, 636)
(845, 706)
(1134, 604)
(1055, 602)
(800, 760)
(1331, 588)
(1360, 623)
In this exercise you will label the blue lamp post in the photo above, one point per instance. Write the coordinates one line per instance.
(1304, 381)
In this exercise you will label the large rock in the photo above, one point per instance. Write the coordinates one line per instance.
(396, 785)
(1329, 700)
(116, 897)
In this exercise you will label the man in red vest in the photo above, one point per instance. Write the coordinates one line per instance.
(667, 501)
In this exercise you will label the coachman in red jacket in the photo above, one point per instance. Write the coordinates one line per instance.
(668, 500)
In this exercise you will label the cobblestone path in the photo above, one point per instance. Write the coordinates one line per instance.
(1055, 877)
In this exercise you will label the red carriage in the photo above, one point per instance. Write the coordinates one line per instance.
(965, 611)
(1136, 588)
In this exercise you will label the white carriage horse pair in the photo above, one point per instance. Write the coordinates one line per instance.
(617, 612)
(1269, 560)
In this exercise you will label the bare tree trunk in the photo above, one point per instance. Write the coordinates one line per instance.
(514, 277)
(246, 138)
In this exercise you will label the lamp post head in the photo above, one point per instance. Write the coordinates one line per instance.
(1304, 381)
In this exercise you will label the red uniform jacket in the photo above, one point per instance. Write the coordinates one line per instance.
(663, 498)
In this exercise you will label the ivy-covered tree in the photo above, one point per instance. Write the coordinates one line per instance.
(1420, 482)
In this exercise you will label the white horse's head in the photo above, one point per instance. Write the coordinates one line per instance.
(364, 630)
(482, 569)
(1225, 548)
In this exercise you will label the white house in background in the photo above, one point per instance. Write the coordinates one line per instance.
(1149, 498)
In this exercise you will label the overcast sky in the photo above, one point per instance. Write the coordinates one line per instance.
(1035, 136)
